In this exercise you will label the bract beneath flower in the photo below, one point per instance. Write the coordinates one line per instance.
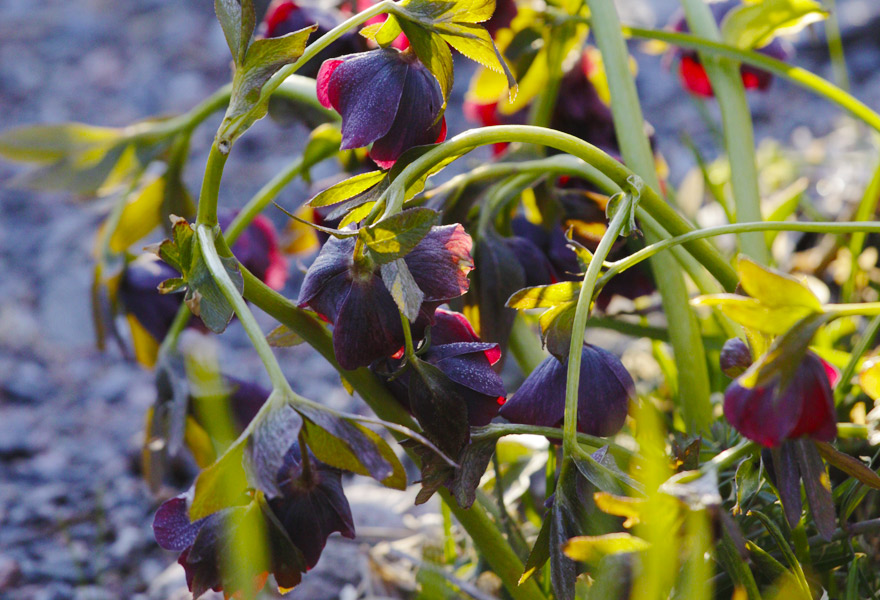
(386, 98)
(603, 394)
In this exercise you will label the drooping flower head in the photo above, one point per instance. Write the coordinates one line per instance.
(693, 75)
(286, 16)
(466, 362)
(387, 98)
(354, 298)
(297, 524)
(772, 413)
(604, 392)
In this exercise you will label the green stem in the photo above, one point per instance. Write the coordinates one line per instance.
(230, 292)
(499, 430)
(407, 337)
(796, 75)
(835, 46)
(730, 456)
(622, 177)
(866, 339)
(739, 135)
(623, 264)
(210, 191)
(579, 326)
(865, 309)
(685, 339)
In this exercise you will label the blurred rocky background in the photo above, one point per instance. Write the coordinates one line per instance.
(74, 514)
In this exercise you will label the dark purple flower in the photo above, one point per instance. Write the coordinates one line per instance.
(693, 75)
(458, 353)
(258, 251)
(505, 11)
(386, 98)
(770, 414)
(297, 524)
(603, 394)
(354, 298)
(285, 16)
(735, 357)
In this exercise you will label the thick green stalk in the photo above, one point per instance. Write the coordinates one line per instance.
(866, 209)
(623, 264)
(579, 326)
(684, 330)
(866, 339)
(611, 168)
(739, 135)
(210, 191)
(835, 46)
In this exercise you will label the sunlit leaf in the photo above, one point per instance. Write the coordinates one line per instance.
(592, 548)
(394, 237)
(773, 288)
(348, 188)
(755, 24)
(50, 143)
(221, 485)
(546, 296)
(402, 287)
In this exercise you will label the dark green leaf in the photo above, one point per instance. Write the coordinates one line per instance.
(540, 552)
(615, 203)
(439, 408)
(748, 482)
(205, 298)
(237, 19)
(473, 463)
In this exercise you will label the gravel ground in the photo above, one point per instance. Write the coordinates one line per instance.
(74, 514)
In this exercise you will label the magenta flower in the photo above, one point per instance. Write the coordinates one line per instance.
(297, 523)
(466, 362)
(693, 75)
(354, 298)
(770, 414)
(605, 390)
(387, 98)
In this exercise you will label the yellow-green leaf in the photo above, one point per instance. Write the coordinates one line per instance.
(221, 485)
(755, 24)
(869, 378)
(347, 188)
(753, 314)
(545, 296)
(591, 548)
(140, 216)
(48, 143)
(774, 288)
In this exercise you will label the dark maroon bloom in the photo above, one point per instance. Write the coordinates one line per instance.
(735, 357)
(505, 11)
(297, 523)
(581, 112)
(458, 353)
(354, 298)
(285, 16)
(770, 414)
(603, 394)
(693, 75)
(386, 98)
(257, 250)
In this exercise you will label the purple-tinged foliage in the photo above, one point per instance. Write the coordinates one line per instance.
(297, 524)
(386, 98)
(605, 390)
(691, 72)
(771, 414)
(354, 298)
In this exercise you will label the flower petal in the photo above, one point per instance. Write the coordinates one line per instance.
(441, 262)
(368, 326)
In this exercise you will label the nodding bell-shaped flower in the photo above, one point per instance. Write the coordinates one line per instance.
(354, 298)
(297, 525)
(387, 98)
(772, 413)
(604, 392)
(693, 75)
(286, 16)
(466, 362)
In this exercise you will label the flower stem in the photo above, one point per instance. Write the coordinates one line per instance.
(623, 264)
(210, 191)
(866, 209)
(463, 143)
(866, 339)
(685, 339)
(221, 277)
(579, 326)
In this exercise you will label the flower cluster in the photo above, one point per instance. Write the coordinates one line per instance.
(296, 526)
